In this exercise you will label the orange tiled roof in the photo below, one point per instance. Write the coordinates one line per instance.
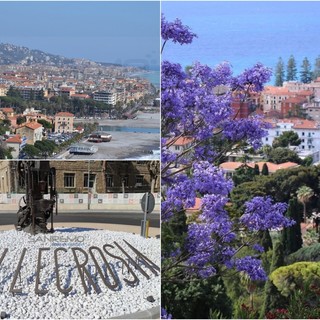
(182, 141)
(64, 114)
(272, 167)
(7, 110)
(14, 139)
(33, 125)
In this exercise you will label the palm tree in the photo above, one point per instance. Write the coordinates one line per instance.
(304, 194)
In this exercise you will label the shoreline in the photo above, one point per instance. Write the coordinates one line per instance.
(125, 145)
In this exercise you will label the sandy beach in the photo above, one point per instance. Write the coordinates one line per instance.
(126, 145)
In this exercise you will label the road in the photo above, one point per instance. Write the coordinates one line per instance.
(126, 218)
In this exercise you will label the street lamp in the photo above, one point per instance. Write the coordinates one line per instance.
(88, 185)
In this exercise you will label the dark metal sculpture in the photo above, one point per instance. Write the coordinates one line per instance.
(39, 180)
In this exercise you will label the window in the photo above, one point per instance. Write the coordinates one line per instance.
(139, 180)
(303, 133)
(267, 139)
(177, 147)
(69, 180)
(91, 181)
(109, 180)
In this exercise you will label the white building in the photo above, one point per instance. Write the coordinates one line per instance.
(108, 97)
(307, 130)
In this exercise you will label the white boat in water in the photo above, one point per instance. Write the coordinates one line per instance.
(81, 148)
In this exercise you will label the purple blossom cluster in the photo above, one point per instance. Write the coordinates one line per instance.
(252, 267)
(165, 314)
(197, 103)
(176, 31)
(262, 214)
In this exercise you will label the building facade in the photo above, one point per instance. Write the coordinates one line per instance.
(63, 122)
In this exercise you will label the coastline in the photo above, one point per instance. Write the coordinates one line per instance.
(127, 145)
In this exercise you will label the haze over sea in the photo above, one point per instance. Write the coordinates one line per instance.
(244, 33)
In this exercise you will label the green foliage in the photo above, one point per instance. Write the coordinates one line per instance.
(304, 193)
(309, 253)
(287, 138)
(305, 73)
(272, 297)
(256, 170)
(21, 120)
(280, 155)
(45, 147)
(14, 93)
(289, 278)
(291, 237)
(291, 69)
(316, 70)
(279, 73)
(196, 299)
(45, 124)
(31, 151)
(281, 186)
(243, 174)
(265, 170)
(307, 161)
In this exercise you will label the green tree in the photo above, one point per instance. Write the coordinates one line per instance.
(304, 194)
(265, 170)
(243, 174)
(291, 69)
(291, 237)
(286, 138)
(316, 70)
(31, 151)
(289, 278)
(279, 73)
(256, 170)
(21, 120)
(46, 124)
(305, 73)
(272, 297)
(281, 155)
(14, 93)
(309, 253)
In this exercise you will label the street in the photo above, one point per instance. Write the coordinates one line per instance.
(126, 218)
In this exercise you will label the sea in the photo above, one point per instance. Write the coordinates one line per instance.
(153, 76)
(245, 32)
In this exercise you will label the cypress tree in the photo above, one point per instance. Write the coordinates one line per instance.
(305, 73)
(291, 237)
(272, 297)
(256, 170)
(265, 170)
(316, 70)
(279, 73)
(291, 69)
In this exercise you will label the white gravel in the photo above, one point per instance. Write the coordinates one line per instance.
(76, 305)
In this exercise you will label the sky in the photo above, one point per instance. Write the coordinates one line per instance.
(124, 32)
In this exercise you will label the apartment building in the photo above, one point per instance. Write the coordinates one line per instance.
(63, 122)
(108, 97)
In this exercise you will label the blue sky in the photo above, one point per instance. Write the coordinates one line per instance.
(125, 32)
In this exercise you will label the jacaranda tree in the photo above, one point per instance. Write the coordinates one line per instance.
(196, 106)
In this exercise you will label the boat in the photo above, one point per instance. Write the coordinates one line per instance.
(99, 136)
(81, 148)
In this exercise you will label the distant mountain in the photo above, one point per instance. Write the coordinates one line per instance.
(12, 54)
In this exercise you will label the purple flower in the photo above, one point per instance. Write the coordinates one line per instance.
(176, 31)
(252, 267)
(262, 214)
(165, 314)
